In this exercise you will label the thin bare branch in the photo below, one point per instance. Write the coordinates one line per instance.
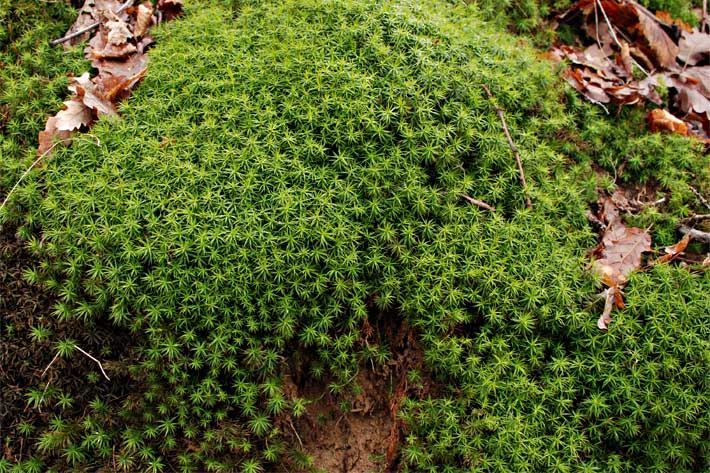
(697, 235)
(478, 203)
(513, 148)
(97, 361)
(88, 28)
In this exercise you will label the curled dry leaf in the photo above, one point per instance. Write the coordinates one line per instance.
(662, 120)
(86, 91)
(673, 251)
(118, 32)
(170, 8)
(605, 318)
(144, 18)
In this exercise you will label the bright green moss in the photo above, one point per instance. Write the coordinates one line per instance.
(33, 77)
(281, 176)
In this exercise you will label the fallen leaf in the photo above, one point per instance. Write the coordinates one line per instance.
(85, 90)
(605, 318)
(74, 116)
(694, 47)
(673, 251)
(170, 8)
(620, 250)
(144, 18)
(662, 120)
(50, 136)
(663, 47)
(118, 32)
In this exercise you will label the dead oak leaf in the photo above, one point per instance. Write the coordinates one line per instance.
(74, 116)
(50, 136)
(118, 32)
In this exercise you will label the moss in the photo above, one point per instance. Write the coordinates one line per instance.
(282, 176)
(33, 77)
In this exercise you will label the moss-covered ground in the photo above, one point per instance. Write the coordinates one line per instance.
(291, 177)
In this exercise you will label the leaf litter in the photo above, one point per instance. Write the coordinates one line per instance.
(627, 55)
(117, 48)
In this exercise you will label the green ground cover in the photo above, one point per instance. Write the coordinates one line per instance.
(287, 171)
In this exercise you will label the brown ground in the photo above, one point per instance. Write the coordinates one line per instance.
(358, 431)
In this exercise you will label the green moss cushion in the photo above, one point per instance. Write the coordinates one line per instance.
(283, 175)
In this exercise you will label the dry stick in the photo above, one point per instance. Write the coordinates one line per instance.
(478, 203)
(513, 148)
(700, 196)
(88, 28)
(696, 219)
(97, 361)
(613, 35)
(55, 359)
(695, 234)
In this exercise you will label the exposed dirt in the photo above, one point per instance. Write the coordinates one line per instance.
(358, 431)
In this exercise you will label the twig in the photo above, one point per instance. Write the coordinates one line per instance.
(705, 16)
(700, 196)
(478, 203)
(97, 361)
(39, 404)
(24, 175)
(513, 148)
(695, 234)
(88, 28)
(696, 219)
(613, 36)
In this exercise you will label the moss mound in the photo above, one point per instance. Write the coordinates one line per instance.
(283, 176)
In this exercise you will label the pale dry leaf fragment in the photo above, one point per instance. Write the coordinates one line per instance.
(605, 318)
(74, 116)
(144, 18)
(693, 47)
(662, 120)
(118, 32)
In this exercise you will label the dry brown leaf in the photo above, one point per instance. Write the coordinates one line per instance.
(90, 13)
(85, 90)
(663, 47)
(694, 47)
(101, 48)
(170, 8)
(118, 32)
(621, 247)
(74, 116)
(662, 120)
(673, 251)
(51, 135)
(144, 18)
